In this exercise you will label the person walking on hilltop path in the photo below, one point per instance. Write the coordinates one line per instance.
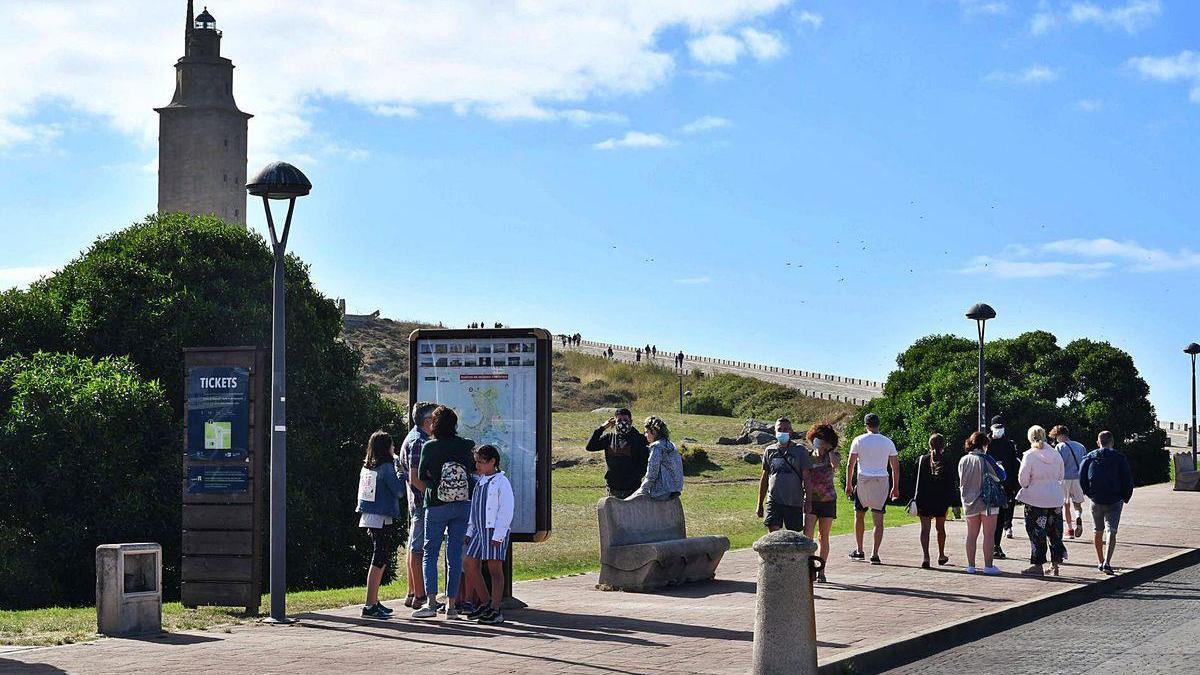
(379, 490)
(1106, 479)
(679, 360)
(981, 483)
(406, 467)
(935, 492)
(785, 477)
(637, 358)
(1072, 455)
(626, 453)
(1040, 477)
(1004, 451)
(820, 505)
(444, 471)
(872, 454)
(664, 468)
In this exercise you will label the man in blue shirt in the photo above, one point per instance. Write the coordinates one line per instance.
(1072, 453)
(406, 467)
(1106, 479)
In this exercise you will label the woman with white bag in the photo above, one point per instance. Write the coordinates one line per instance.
(379, 490)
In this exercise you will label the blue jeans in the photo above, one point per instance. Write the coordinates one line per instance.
(437, 520)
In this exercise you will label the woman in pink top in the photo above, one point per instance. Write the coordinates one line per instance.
(1041, 476)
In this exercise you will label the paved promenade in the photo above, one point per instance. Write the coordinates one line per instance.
(707, 628)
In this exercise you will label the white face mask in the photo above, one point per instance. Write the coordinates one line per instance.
(783, 437)
(997, 432)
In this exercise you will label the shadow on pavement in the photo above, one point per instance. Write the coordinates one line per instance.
(615, 628)
(10, 666)
(173, 639)
(706, 589)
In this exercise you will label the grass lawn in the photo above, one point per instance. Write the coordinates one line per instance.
(717, 500)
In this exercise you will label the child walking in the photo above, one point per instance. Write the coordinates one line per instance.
(379, 490)
(487, 532)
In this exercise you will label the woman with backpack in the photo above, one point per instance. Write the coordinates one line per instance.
(1041, 477)
(379, 490)
(933, 496)
(981, 486)
(445, 465)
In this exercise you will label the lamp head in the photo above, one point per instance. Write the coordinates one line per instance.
(981, 312)
(279, 180)
(1192, 349)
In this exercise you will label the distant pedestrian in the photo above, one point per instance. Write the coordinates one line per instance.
(626, 453)
(1072, 455)
(871, 455)
(638, 356)
(679, 360)
(1004, 451)
(444, 471)
(1041, 477)
(610, 353)
(1107, 481)
(492, 507)
(664, 468)
(406, 466)
(379, 490)
(981, 485)
(820, 507)
(654, 351)
(785, 475)
(934, 493)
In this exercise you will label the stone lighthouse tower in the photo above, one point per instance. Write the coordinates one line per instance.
(201, 133)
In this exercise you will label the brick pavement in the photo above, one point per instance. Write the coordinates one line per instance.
(705, 628)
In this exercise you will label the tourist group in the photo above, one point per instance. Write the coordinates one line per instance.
(458, 493)
(797, 490)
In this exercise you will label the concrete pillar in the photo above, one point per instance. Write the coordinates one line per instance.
(785, 625)
(128, 589)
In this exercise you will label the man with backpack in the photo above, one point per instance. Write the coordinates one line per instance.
(1072, 453)
(1105, 478)
(445, 469)
(785, 476)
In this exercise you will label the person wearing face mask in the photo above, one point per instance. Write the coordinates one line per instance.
(820, 505)
(786, 470)
(1004, 451)
(626, 453)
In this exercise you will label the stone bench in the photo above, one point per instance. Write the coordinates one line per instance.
(644, 546)
(1186, 476)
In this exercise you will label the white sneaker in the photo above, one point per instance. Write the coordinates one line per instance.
(991, 570)
(425, 613)
(969, 569)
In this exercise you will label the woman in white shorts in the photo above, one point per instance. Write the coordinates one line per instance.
(980, 481)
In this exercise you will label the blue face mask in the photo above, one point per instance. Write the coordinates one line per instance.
(816, 443)
(783, 437)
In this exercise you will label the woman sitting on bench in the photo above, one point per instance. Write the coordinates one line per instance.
(664, 470)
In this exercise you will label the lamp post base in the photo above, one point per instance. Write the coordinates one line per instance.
(272, 621)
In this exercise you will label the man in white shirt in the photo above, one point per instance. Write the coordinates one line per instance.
(871, 454)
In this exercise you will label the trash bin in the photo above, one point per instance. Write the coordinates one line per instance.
(128, 589)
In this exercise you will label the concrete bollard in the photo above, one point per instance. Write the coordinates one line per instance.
(128, 589)
(785, 625)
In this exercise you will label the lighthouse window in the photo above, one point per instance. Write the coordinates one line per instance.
(224, 178)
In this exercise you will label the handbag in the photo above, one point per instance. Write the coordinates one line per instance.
(912, 503)
(991, 492)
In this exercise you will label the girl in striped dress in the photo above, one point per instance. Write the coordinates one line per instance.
(487, 531)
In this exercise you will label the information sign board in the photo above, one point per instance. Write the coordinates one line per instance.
(218, 412)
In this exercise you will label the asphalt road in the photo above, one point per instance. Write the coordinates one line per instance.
(1150, 628)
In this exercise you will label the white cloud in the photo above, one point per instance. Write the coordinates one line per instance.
(807, 18)
(763, 46)
(991, 8)
(18, 133)
(706, 123)
(529, 60)
(1035, 74)
(635, 139)
(1184, 66)
(20, 277)
(1089, 104)
(693, 281)
(1080, 258)
(1129, 17)
(716, 49)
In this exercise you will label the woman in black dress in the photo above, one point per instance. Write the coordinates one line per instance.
(935, 493)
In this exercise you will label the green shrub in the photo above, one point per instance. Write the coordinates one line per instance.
(89, 455)
(176, 281)
(695, 459)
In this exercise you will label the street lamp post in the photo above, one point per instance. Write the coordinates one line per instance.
(981, 313)
(279, 180)
(1192, 350)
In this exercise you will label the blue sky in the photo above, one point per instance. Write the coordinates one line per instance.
(808, 184)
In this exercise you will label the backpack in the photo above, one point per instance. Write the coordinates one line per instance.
(453, 485)
(991, 491)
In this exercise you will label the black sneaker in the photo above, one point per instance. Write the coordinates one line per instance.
(385, 609)
(1108, 570)
(492, 618)
(374, 612)
(998, 553)
(1100, 568)
(875, 560)
(479, 611)
(1079, 525)
(857, 555)
(821, 578)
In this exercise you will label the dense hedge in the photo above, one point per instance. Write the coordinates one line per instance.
(737, 396)
(176, 281)
(87, 457)
(1089, 386)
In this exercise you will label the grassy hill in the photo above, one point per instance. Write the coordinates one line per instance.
(384, 346)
